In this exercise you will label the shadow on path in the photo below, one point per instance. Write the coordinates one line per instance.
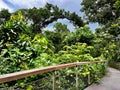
(110, 82)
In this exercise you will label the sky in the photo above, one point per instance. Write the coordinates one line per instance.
(68, 5)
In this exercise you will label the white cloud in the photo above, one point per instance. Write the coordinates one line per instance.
(4, 6)
(18, 4)
(27, 3)
(34, 3)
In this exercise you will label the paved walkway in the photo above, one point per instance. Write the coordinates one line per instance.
(110, 82)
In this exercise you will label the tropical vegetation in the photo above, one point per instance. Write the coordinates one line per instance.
(24, 44)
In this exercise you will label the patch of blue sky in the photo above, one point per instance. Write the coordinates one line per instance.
(70, 26)
(11, 5)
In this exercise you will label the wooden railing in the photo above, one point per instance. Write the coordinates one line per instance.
(22, 74)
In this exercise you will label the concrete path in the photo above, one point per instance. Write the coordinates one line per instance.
(110, 82)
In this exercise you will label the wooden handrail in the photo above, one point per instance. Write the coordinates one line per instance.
(23, 74)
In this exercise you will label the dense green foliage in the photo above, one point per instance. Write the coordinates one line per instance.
(76, 53)
(107, 14)
(19, 50)
(23, 46)
(4, 15)
(57, 36)
(83, 35)
(101, 11)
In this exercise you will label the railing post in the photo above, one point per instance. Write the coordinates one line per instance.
(88, 79)
(106, 64)
(77, 83)
(54, 80)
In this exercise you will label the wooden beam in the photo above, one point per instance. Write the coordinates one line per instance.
(23, 74)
